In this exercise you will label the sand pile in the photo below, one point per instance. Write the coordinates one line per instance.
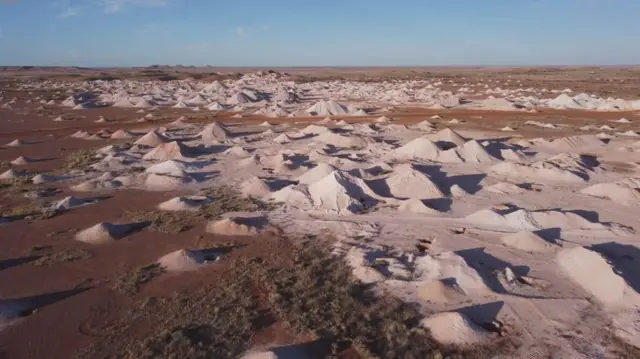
(337, 140)
(96, 185)
(577, 142)
(151, 139)
(527, 241)
(425, 126)
(315, 174)
(447, 138)
(565, 167)
(184, 203)
(416, 206)
(239, 226)
(166, 182)
(441, 291)
(169, 167)
(472, 151)
(505, 188)
(283, 139)
(327, 108)
(45, 178)
(70, 202)
(184, 260)
(104, 232)
(407, 182)
(341, 193)
(449, 265)
(215, 132)
(315, 130)
(21, 161)
(10, 174)
(237, 151)
(15, 143)
(254, 186)
(591, 271)
(122, 135)
(420, 149)
(293, 196)
(168, 151)
(533, 220)
(452, 328)
(626, 192)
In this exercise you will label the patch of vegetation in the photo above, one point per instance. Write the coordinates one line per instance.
(49, 259)
(171, 222)
(225, 200)
(31, 209)
(78, 160)
(130, 283)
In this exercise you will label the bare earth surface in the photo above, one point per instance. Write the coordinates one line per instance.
(312, 213)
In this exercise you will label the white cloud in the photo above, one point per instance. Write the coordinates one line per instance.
(68, 12)
(241, 32)
(113, 6)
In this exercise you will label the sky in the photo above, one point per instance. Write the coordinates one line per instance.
(281, 33)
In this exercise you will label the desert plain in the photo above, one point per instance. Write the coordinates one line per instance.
(177, 212)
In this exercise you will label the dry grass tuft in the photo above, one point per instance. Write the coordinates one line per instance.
(49, 259)
(164, 221)
(78, 160)
(131, 282)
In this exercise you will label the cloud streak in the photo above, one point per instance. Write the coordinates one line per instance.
(114, 6)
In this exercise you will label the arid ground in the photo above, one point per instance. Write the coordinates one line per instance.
(402, 231)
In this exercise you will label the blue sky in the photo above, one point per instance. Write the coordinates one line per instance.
(319, 33)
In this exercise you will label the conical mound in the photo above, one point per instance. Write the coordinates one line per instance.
(184, 203)
(151, 139)
(254, 186)
(407, 182)
(472, 151)
(341, 193)
(21, 161)
(167, 151)
(421, 149)
(103, 232)
(215, 132)
(317, 173)
(185, 260)
(448, 137)
(527, 241)
(452, 328)
(122, 135)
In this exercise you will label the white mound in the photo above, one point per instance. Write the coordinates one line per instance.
(237, 151)
(183, 260)
(158, 182)
(15, 143)
(21, 161)
(315, 130)
(96, 185)
(70, 202)
(168, 167)
(533, 220)
(341, 193)
(507, 129)
(407, 182)
(591, 271)
(151, 139)
(184, 203)
(565, 167)
(342, 141)
(317, 173)
(440, 291)
(282, 139)
(447, 136)
(626, 192)
(452, 328)
(10, 174)
(104, 232)
(327, 108)
(472, 151)
(122, 135)
(505, 188)
(527, 241)
(167, 151)
(234, 226)
(622, 120)
(577, 142)
(421, 149)
(416, 206)
(44, 178)
(254, 186)
(214, 132)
